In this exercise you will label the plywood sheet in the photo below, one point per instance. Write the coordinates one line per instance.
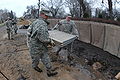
(61, 38)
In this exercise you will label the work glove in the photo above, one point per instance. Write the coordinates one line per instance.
(59, 23)
(77, 37)
(51, 44)
(28, 34)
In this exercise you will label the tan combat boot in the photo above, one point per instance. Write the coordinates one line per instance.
(37, 69)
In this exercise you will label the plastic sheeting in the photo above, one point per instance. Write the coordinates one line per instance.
(84, 31)
(97, 34)
(112, 39)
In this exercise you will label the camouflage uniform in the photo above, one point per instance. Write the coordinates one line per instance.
(15, 28)
(67, 27)
(9, 28)
(38, 39)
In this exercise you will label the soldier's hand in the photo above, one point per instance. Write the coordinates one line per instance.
(59, 23)
(52, 43)
(77, 37)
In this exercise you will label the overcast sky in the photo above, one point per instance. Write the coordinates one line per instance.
(17, 6)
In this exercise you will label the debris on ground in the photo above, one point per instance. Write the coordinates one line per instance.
(97, 65)
(118, 76)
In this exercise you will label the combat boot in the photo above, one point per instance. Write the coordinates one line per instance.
(37, 69)
(51, 73)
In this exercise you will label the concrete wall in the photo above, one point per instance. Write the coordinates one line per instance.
(102, 35)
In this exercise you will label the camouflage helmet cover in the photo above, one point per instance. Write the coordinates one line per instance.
(8, 18)
(46, 12)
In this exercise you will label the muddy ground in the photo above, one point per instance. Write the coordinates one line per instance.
(15, 61)
(110, 64)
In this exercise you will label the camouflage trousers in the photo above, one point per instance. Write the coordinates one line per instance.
(38, 53)
(10, 33)
(43, 57)
(15, 29)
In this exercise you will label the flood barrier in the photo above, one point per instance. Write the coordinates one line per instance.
(102, 35)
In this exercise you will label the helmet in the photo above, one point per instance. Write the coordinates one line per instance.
(8, 18)
(46, 12)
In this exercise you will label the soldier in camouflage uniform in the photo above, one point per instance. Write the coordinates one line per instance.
(38, 39)
(9, 28)
(14, 24)
(67, 26)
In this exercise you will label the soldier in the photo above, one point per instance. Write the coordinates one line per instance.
(67, 26)
(9, 28)
(38, 39)
(14, 24)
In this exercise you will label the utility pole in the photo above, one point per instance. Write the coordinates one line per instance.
(38, 7)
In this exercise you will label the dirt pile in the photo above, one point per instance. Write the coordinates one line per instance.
(23, 22)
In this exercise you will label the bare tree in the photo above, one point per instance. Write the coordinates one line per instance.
(4, 14)
(116, 11)
(88, 12)
(74, 8)
(31, 12)
(11, 14)
(110, 8)
(85, 8)
(55, 6)
(82, 5)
